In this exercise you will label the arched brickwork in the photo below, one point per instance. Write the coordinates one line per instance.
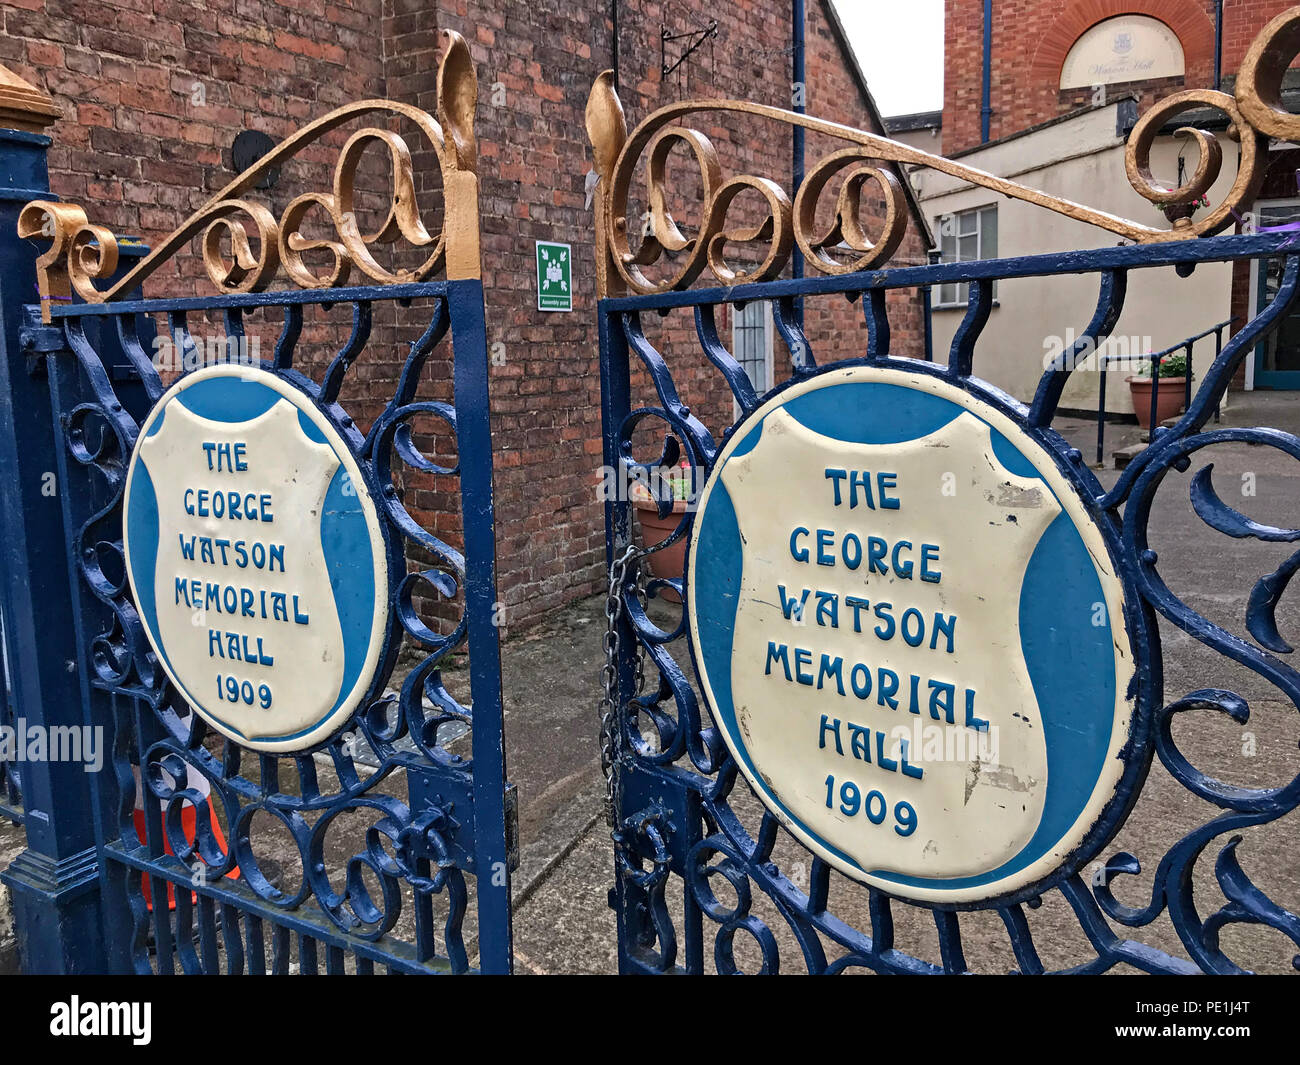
(1187, 18)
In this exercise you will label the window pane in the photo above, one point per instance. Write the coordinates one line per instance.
(744, 344)
(953, 293)
(966, 237)
(989, 233)
(750, 342)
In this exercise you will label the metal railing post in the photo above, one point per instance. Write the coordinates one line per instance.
(1218, 350)
(54, 883)
(1101, 412)
(1155, 396)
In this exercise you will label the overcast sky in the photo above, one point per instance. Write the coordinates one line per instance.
(899, 44)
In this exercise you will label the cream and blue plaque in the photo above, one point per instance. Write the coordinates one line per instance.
(911, 635)
(257, 557)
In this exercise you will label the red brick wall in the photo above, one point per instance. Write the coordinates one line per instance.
(534, 158)
(1032, 37)
(151, 101)
(152, 96)
(1242, 21)
(141, 146)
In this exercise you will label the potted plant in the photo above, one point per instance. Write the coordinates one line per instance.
(655, 529)
(1169, 395)
(1175, 211)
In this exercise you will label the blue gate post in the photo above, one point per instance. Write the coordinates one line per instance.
(492, 843)
(54, 882)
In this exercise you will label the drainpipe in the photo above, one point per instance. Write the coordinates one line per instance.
(1218, 44)
(986, 108)
(613, 17)
(800, 101)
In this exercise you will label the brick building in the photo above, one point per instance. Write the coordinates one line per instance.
(153, 93)
(1032, 41)
(1046, 92)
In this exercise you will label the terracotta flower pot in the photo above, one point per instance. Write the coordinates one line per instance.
(1176, 211)
(669, 562)
(1169, 399)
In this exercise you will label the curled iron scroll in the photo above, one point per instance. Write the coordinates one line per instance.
(1254, 112)
(82, 254)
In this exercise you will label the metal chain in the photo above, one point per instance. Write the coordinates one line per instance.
(640, 651)
(610, 730)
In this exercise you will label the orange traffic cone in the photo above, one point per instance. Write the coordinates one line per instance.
(189, 826)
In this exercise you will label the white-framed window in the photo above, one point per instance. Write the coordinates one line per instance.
(751, 343)
(963, 237)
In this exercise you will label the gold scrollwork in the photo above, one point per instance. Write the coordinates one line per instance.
(1137, 160)
(1254, 112)
(82, 253)
(775, 230)
(847, 228)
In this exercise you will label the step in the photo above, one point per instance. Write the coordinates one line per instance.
(1168, 423)
(1124, 455)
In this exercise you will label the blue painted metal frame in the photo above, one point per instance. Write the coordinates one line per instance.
(677, 824)
(52, 883)
(457, 815)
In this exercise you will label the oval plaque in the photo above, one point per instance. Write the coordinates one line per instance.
(912, 637)
(257, 558)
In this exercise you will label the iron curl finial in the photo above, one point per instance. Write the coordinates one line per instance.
(82, 253)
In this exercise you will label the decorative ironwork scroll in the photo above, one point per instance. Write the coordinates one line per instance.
(1255, 112)
(83, 253)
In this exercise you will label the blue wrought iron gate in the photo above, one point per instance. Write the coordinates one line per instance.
(387, 845)
(715, 868)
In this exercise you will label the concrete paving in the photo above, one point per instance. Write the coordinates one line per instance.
(551, 673)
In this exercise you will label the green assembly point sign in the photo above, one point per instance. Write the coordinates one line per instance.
(554, 276)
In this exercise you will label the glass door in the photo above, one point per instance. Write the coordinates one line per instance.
(1277, 357)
